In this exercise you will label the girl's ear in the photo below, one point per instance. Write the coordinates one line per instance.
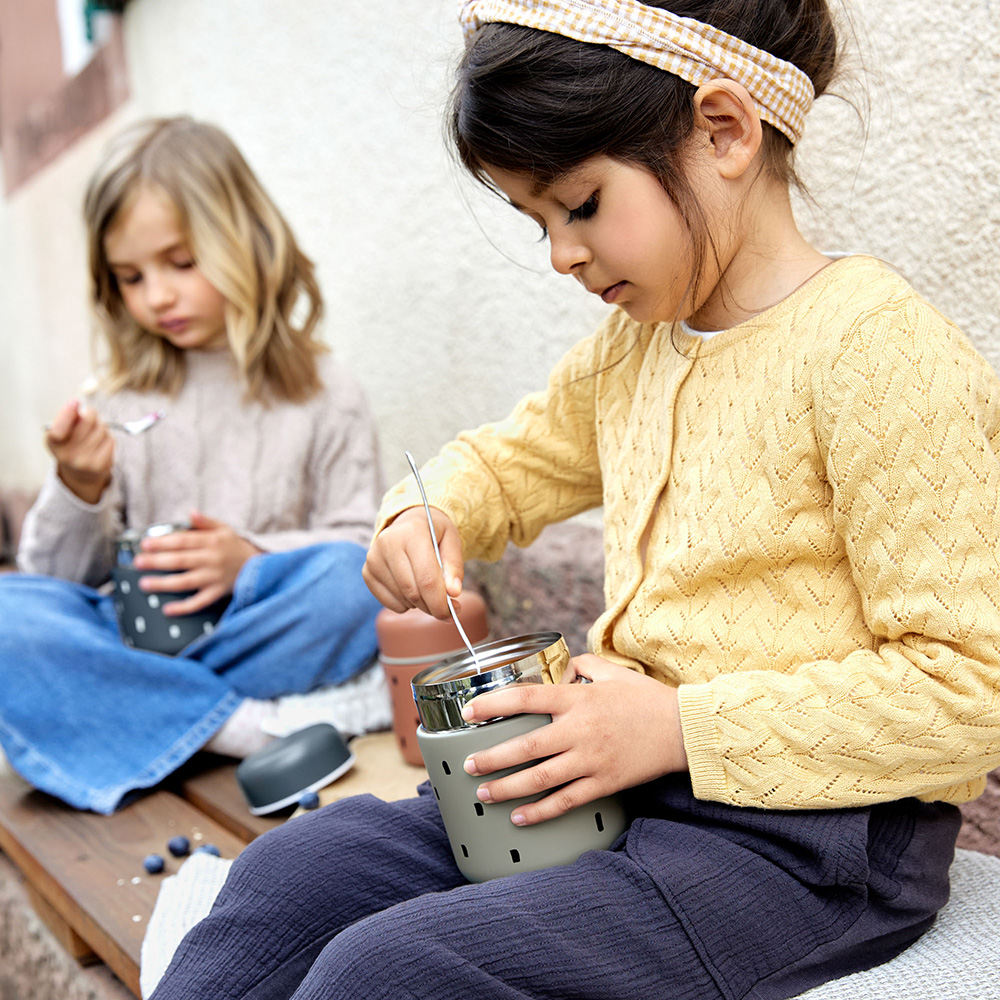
(725, 110)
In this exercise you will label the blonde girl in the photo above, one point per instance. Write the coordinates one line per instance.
(245, 251)
(208, 310)
(795, 680)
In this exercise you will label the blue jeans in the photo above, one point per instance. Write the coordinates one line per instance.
(88, 719)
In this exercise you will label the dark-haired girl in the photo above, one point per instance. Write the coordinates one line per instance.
(795, 680)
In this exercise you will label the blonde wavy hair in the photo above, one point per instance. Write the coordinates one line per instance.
(241, 244)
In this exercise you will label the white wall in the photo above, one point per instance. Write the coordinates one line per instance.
(439, 298)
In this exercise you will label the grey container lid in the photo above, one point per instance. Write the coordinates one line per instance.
(305, 761)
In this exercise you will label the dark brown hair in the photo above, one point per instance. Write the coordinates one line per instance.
(537, 104)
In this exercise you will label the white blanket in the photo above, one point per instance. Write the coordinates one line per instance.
(183, 900)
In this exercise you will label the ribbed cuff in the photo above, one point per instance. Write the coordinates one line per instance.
(701, 742)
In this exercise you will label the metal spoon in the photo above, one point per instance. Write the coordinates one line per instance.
(437, 553)
(138, 426)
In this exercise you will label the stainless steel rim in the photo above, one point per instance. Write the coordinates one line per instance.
(128, 543)
(442, 690)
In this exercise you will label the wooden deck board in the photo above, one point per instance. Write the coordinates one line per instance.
(210, 785)
(88, 868)
(379, 768)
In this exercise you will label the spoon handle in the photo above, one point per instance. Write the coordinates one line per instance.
(111, 426)
(437, 553)
(129, 426)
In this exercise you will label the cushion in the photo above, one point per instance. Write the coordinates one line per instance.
(957, 959)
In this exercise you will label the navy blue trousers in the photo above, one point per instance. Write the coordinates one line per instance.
(697, 900)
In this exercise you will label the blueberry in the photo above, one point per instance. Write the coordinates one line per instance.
(153, 863)
(208, 849)
(309, 800)
(179, 846)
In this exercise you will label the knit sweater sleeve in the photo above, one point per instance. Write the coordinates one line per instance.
(907, 419)
(504, 482)
(65, 537)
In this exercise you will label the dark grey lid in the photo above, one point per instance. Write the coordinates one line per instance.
(284, 770)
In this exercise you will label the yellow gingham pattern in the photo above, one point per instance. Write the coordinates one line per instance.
(690, 49)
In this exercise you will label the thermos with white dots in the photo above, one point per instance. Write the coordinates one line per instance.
(140, 614)
(484, 841)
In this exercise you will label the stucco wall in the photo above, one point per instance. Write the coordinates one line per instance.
(440, 299)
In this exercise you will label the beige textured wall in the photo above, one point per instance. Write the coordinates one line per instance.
(438, 298)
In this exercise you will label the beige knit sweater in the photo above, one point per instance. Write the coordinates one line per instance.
(284, 475)
(801, 532)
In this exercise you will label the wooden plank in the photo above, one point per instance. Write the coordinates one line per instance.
(89, 867)
(71, 942)
(379, 769)
(210, 785)
(85, 871)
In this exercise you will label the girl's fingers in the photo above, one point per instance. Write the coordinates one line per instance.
(86, 452)
(588, 667)
(176, 541)
(555, 785)
(405, 580)
(172, 582)
(400, 577)
(202, 523)
(450, 545)
(402, 570)
(89, 429)
(380, 578)
(63, 422)
(200, 560)
(383, 594)
(570, 796)
(416, 561)
(394, 593)
(517, 699)
(431, 595)
(196, 602)
(104, 455)
(173, 561)
(545, 748)
(386, 597)
(546, 741)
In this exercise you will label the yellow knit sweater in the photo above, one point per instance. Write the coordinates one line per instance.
(801, 533)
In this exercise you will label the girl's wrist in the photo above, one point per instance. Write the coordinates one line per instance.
(89, 489)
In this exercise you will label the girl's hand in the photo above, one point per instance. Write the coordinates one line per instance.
(84, 450)
(620, 731)
(402, 570)
(207, 560)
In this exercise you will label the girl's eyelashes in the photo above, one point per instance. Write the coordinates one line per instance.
(584, 211)
(134, 277)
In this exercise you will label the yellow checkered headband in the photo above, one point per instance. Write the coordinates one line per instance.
(690, 49)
